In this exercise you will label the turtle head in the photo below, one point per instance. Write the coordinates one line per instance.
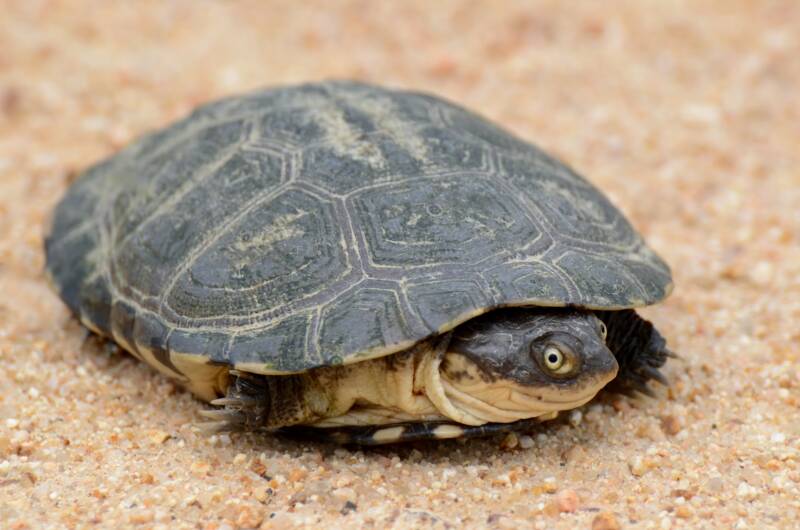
(520, 363)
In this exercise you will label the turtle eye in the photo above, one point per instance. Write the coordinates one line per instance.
(555, 360)
(603, 330)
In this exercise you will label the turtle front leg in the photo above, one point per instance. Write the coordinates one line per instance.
(640, 351)
(257, 402)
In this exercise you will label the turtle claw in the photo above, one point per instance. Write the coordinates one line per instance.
(211, 427)
(244, 407)
(228, 416)
(237, 402)
(642, 388)
(640, 351)
(653, 373)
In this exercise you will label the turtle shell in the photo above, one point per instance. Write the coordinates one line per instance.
(328, 223)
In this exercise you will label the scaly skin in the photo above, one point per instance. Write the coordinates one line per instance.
(394, 401)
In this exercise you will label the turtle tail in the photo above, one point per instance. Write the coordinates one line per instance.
(640, 351)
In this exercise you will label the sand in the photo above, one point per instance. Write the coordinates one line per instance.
(685, 113)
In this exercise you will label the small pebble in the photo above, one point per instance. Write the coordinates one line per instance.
(715, 484)
(248, 518)
(525, 441)
(682, 493)
(651, 431)
(761, 273)
(506, 522)
(575, 418)
(671, 424)
(746, 491)
(574, 454)
(605, 521)
(621, 405)
(638, 466)
(549, 485)
(510, 441)
(141, 517)
(778, 438)
(158, 437)
(567, 501)
(200, 468)
(345, 494)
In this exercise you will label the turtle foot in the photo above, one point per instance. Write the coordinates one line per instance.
(640, 351)
(243, 408)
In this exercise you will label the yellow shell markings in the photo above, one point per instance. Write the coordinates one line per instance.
(206, 380)
(282, 229)
(147, 355)
(90, 325)
(168, 202)
(386, 116)
(346, 141)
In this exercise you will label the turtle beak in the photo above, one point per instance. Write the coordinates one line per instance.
(601, 365)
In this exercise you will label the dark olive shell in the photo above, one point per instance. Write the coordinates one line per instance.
(333, 222)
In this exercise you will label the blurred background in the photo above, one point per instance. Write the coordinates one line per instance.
(686, 113)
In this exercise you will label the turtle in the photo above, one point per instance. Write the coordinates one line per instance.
(359, 264)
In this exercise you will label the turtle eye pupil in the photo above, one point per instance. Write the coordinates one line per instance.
(553, 358)
(603, 330)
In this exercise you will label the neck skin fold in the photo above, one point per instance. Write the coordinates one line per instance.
(410, 386)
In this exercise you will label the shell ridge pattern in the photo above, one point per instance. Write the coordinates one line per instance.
(164, 147)
(368, 205)
(300, 303)
(443, 173)
(533, 215)
(264, 195)
(278, 139)
(245, 209)
(164, 206)
(566, 282)
(548, 226)
(117, 249)
(161, 208)
(313, 348)
(76, 231)
(100, 196)
(557, 262)
(413, 317)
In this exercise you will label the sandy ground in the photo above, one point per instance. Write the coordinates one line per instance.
(686, 113)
